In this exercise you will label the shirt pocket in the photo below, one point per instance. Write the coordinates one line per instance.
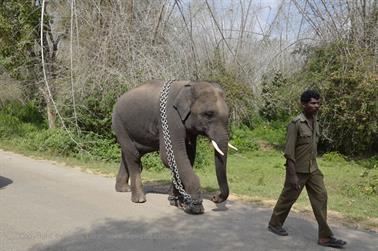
(305, 136)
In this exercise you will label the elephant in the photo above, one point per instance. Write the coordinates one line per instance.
(192, 109)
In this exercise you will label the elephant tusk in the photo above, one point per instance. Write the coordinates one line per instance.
(217, 147)
(231, 146)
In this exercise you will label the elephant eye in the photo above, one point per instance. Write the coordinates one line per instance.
(209, 114)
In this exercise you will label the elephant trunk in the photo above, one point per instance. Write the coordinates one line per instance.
(220, 156)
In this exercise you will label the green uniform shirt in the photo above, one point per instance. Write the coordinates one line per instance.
(301, 144)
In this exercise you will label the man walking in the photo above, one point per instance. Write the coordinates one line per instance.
(302, 170)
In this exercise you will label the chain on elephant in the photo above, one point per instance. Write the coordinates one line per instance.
(184, 200)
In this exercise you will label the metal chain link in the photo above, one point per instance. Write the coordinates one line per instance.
(168, 143)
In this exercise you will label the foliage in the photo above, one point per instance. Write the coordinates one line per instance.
(95, 110)
(346, 78)
(243, 139)
(276, 95)
(17, 119)
(272, 132)
(334, 156)
(99, 147)
(368, 183)
(19, 30)
(202, 161)
(204, 154)
(369, 163)
(9, 126)
(26, 113)
(10, 89)
(151, 161)
(263, 135)
(348, 81)
(54, 141)
(239, 96)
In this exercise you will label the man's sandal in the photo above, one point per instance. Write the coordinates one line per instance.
(278, 230)
(333, 242)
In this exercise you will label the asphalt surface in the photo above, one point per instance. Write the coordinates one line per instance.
(48, 206)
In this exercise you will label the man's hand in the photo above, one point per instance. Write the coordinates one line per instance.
(293, 180)
(291, 175)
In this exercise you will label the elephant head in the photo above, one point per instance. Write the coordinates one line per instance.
(203, 111)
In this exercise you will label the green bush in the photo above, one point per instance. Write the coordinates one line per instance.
(239, 96)
(277, 95)
(334, 157)
(10, 126)
(243, 138)
(55, 141)
(348, 84)
(95, 110)
(152, 161)
(204, 154)
(99, 147)
(369, 163)
(26, 113)
(350, 113)
(347, 80)
(368, 183)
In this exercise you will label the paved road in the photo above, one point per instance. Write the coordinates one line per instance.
(47, 206)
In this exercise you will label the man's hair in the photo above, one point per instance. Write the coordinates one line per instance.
(308, 95)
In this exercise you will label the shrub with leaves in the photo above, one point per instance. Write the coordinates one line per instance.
(346, 77)
(277, 95)
(94, 112)
(239, 96)
(348, 80)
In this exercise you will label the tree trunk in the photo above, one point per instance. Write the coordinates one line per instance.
(51, 114)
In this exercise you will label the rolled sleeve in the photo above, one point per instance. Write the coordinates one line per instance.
(291, 139)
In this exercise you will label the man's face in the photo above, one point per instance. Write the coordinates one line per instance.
(311, 107)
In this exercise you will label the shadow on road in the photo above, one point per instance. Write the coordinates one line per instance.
(4, 182)
(164, 187)
(242, 229)
(159, 187)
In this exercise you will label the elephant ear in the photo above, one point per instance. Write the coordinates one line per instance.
(183, 102)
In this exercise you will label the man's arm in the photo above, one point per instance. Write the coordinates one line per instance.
(291, 140)
(291, 175)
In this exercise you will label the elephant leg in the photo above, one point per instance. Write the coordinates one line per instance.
(122, 179)
(134, 166)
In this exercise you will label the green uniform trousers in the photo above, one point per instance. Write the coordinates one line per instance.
(318, 198)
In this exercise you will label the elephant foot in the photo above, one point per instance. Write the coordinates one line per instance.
(138, 197)
(174, 201)
(218, 198)
(122, 188)
(195, 207)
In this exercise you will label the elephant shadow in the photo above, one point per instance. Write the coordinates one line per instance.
(158, 187)
(165, 187)
(4, 182)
